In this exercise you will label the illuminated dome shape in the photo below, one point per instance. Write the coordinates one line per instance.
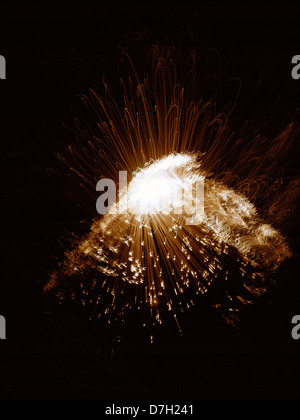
(141, 242)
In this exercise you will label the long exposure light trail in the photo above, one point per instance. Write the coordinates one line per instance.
(149, 251)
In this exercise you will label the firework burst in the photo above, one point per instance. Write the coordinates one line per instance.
(148, 251)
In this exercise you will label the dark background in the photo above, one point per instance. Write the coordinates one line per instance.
(53, 53)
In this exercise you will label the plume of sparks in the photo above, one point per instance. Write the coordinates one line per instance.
(142, 254)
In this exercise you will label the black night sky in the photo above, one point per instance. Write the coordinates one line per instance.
(54, 53)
